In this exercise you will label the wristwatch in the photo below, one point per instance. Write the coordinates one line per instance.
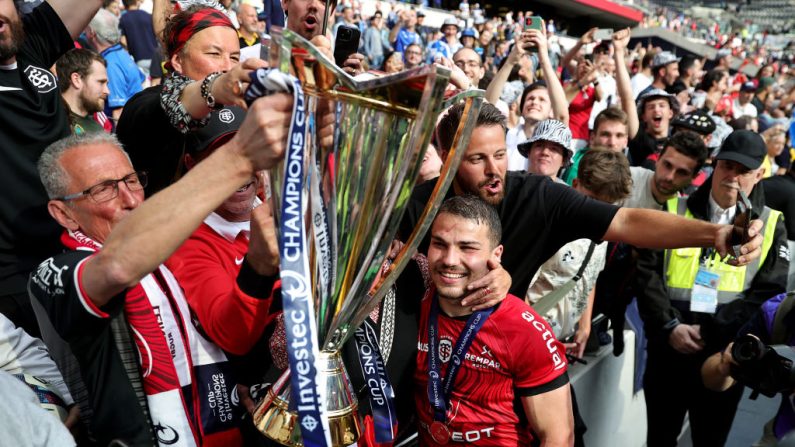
(206, 90)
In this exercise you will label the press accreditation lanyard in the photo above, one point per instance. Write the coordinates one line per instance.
(439, 389)
(382, 395)
(308, 387)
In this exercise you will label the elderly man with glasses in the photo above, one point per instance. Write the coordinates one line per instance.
(114, 317)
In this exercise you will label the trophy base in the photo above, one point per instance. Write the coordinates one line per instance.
(273, 418)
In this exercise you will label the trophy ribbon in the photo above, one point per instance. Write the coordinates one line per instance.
(382, 396)
(308, 387)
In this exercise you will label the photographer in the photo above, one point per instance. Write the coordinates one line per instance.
(771, 325)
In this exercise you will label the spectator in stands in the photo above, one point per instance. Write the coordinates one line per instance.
(249, 27)
(657, 108)
(612, 127)
(539, 101)
(582, 92)
(404, 33)
(83, 82)
(413, 56)
(200, 41)
(347, 19)
(468, 60)
(742, 105)
(468, 38)
(34, 117)
(548, 150)
(219, 289)
(448, 45)
(610, 132)
(137, 34)
(763, 93)
(690, 71)
(665, 69)
(125, 79)
(394, 63)
(425, 32)
(643, 77)
(775, 140)
(373, 41)
(723, 60)
(112, 6)
(684, 329)
(677, 166)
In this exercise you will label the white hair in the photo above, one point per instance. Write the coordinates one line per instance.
(52, 174)
(106, 25)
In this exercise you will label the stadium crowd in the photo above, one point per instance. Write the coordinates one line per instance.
(139, 260)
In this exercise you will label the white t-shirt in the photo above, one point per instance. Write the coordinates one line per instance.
(641, 195)
(609, 95)
(740, 110)
(639, 82)
(512, 139)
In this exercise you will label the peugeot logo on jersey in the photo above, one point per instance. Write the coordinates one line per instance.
(42, 80)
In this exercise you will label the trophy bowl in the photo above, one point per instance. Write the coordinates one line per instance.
(353, 158)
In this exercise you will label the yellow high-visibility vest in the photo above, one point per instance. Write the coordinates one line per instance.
(682, 264)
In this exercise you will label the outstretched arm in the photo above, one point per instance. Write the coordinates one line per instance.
(623, 83)
(75, 14)
(560, 106)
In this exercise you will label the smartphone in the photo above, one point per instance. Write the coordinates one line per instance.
(536, 23)
(742, 222)
(346, 43)
(603, 34)
(265, 48)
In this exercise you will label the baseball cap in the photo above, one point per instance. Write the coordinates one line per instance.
(222, 126)
(663, 58)
(469, 32)
(420, 14)
(698, 121)
(548, 130)
(745, 147)
(450, 21)
(657, 93)
(748, 87)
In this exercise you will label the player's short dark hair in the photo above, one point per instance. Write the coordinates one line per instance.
(689, 144)
(76, 60)
(474, 208)
(445, 130)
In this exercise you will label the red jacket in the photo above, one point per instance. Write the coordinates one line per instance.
(207, 267)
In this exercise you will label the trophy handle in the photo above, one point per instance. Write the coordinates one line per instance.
(473, 101)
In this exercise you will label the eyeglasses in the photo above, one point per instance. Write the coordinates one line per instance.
(470, 64)
(415, 53)
(109, 189)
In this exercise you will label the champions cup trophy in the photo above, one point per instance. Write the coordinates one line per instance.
(338, 198)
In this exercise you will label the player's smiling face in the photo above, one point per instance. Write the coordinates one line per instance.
(458, 255)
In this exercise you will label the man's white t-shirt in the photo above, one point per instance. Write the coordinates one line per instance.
(641, 195)
(516, 162)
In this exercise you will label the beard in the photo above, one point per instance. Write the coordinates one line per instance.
(12, 39)
(92, 105)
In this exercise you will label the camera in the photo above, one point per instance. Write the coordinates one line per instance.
(765, 369)
(345, 33)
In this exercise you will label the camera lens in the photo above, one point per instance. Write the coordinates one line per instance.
(747, 349)
(345, 33)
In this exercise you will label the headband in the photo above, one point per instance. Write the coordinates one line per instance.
(185, 29)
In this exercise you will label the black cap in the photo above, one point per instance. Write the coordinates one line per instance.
(698, 121)
(745, 147)
(222, 126)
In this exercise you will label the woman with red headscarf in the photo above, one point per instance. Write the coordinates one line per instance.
(203, 55)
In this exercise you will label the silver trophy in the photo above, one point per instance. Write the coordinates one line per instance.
(353, 158)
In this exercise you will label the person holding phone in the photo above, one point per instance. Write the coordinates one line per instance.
(693, 303)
